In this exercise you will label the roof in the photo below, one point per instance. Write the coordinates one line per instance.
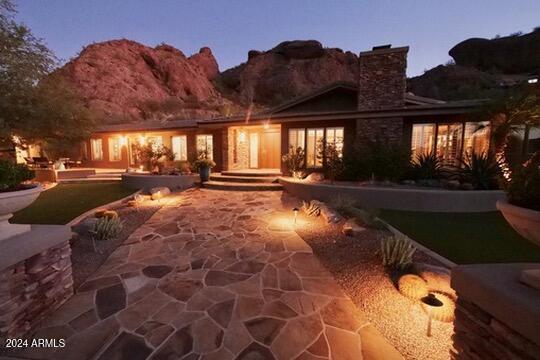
(145, 126)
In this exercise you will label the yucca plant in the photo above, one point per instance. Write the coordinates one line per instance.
(480, 170)
(427, 166)
(397, 252)
(107, 228)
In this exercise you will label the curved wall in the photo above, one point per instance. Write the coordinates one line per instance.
(146, 182)
(429, 200)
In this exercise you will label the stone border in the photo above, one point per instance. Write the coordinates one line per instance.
(398, 198)
(109, 206)
(146, 182)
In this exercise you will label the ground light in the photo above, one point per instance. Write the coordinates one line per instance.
(295, 211)
(431, 303)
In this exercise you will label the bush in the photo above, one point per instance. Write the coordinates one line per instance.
(294, 161)
(12, 175)
(482, 171)
(397, 252)
(427, 167)
(107, 228)
(384, 161)
(524, 186)
(155, 155)
(334, 161)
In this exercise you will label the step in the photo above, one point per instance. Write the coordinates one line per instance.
(252, 173)
(234, 186)
(89, 180)
(242, 179)
(104, 175)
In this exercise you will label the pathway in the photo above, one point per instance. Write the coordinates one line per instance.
(213, 275)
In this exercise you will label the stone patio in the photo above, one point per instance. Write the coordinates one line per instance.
(212, 275)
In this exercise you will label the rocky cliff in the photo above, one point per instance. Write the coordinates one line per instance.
(123, 80)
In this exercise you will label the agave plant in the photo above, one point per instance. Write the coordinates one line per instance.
(427, 166)
(397, 252)
(480, 170)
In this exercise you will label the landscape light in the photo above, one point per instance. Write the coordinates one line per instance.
(295, 210)
(431, 303)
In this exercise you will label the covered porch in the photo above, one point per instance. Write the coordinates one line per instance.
(254, 149)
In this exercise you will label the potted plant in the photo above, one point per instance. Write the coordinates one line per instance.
(522, 210)
(155, 156)
(203, 165)
(15, 195)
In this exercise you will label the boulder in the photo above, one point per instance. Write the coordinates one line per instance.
(314, 177)
(351, 228)
(159, 192)
(299, 49)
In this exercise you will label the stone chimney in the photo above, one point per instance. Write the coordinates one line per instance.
(382, 78)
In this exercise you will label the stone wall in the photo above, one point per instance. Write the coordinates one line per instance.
(238, 148)
(478, 335)
(388, 130)
(32, 288)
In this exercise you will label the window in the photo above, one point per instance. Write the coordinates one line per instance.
(156, 141)
(449, 138)
(297, 139)
(115, 149)
(97, 149)
(334, 136)
(423, 139)
(476, 138)
(314, 146)
(204, 144)
(179, 147)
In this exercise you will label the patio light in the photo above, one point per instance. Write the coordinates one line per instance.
(431, 304)
(295, 210)
(266, 125)
(123, 141)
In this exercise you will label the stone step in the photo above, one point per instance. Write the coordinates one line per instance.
(252, 173)
(89, 180)
(239, 186)
(242, 179)
(104, 175)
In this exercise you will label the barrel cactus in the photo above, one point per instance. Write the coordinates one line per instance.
(412, 286)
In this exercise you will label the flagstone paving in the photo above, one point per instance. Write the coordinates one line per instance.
(212, 275)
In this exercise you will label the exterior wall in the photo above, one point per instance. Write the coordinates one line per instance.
(237, 151)
(385, 129)
(167, 141)
(337, 100)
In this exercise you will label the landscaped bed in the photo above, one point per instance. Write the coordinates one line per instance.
(355, 263)
(465, 237)
(65, 202)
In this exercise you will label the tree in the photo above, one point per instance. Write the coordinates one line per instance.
(36, 106)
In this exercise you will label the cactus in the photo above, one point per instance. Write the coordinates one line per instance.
(412, 286)
(397, 252)
(107, 228)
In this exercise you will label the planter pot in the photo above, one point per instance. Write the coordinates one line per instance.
(204, 173)
(14, 201)
(525, 221)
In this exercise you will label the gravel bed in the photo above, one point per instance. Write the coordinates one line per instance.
(85, 261)
(356, 265)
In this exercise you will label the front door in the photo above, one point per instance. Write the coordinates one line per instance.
(269, 149)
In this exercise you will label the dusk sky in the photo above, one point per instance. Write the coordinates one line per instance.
(232, 28)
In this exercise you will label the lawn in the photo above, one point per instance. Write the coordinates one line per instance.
(465, 238)
(65, 202)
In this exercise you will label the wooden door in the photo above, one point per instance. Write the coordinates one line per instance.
(269, 153)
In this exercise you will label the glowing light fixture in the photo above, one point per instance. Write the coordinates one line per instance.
(266, 125)
(123, 141)
(431, 304)
(241, 136)
(295, 211)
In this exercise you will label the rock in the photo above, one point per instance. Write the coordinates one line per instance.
(452, 185)
(531, 277)
(314, 177)
(85, 225)
(437, 278)
(253, 54)
(299, 49)
(159, 192)
(351, 228)
(110, 214)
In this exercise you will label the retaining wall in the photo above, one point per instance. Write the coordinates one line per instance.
(146, 182)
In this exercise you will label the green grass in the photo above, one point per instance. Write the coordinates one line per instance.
(65, 202)
(465, 238)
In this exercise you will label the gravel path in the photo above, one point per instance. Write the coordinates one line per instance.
(356, 266)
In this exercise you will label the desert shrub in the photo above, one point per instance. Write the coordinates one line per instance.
(107, 228)
(12, 175)
(333, 161)
(154, 155)
(427, 167)
(397, 252)
(343, 205)
(480, 170)
(523, 188)
(294, 160)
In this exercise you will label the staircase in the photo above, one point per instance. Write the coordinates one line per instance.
(245, 180)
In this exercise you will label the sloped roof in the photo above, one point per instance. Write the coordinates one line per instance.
(150, 125)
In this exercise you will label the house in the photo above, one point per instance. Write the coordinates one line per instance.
(346, 114)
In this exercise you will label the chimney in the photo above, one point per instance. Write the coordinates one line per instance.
(382, 78)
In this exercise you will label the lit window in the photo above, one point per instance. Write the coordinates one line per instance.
(314, 147)
(115, 149)
(204, 145)
(334, 136)
(297, 139)
(179, 147)
(156, 141)
(476, 138)
(423, 139)
(97, 149)
(449, 138)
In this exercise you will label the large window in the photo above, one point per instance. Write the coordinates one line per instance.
(449, 139)
(334, 136)
(476, 138)
(115, 149)
(423, 139)
(315, 138)
(204, 144)
(179, 147)
(297, 139)
(97, 149)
